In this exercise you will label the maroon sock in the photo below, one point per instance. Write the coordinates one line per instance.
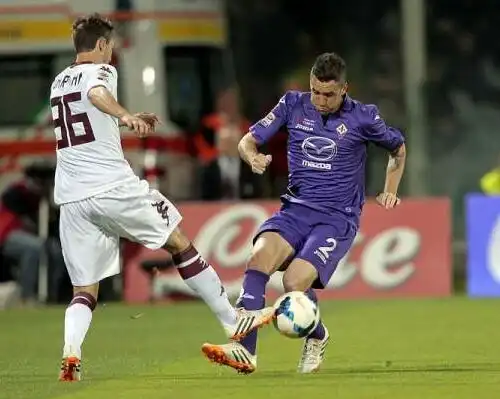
(189, 263)
(84, 298)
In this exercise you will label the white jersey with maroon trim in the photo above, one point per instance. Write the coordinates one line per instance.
(90, 157)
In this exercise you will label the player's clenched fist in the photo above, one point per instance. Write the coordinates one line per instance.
(138, 125)
(150, 118)
(260, 162)
(388, 200)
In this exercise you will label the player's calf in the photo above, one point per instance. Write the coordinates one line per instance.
(299, 277)
(201, 277)
(76, 324)
(268, 254)
(320, 331)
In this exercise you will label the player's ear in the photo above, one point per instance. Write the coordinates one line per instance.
(345, 88)
(101, 44)
(311, 81)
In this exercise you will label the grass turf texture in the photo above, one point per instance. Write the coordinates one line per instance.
(407, 349)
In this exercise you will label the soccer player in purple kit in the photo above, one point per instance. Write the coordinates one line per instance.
(319, 218)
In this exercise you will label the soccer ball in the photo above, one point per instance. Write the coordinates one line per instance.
(296, 315)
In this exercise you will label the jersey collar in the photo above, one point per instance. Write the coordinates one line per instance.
(80, 63)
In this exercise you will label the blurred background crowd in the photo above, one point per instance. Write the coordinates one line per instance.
(211, 85)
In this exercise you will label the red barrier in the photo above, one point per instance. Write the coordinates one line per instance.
(399, 253)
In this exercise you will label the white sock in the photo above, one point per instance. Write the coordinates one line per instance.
(208, 286)
(76, 324)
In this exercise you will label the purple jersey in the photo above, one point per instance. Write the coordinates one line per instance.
(326, 158)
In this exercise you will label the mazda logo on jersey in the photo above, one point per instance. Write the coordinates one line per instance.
(319, 149)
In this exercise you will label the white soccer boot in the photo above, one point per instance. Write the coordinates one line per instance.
(233, 355)
(249, 320)
(313, 354)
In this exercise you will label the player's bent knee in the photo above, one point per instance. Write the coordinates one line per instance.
(299, 276)
(89, 289)
(177, 242)
(263, 261)
(269, 253)
(293, 283)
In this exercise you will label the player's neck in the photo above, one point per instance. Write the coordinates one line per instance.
(88, 57)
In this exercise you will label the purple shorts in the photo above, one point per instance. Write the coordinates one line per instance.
(318, 238)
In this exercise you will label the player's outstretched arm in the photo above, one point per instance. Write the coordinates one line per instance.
(104, 101)
(394, 173)
(262, 131)
(247, 148)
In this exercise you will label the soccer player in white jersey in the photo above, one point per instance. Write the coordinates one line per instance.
(101, 198)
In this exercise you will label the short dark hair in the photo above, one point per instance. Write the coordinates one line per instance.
(89, 29)
(329, 66)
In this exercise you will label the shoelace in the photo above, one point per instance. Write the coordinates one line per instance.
(312, 351)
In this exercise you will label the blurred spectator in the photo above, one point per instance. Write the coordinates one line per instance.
(20, 244)
(225, 175)
(9, 294)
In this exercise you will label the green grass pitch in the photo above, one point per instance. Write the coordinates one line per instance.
(407, 349)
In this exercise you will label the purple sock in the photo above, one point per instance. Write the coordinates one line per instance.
(319, 332)
(253, 298)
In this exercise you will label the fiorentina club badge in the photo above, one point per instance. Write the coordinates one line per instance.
(341, 129)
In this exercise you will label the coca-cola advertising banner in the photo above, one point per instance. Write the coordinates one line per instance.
(403, 252)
